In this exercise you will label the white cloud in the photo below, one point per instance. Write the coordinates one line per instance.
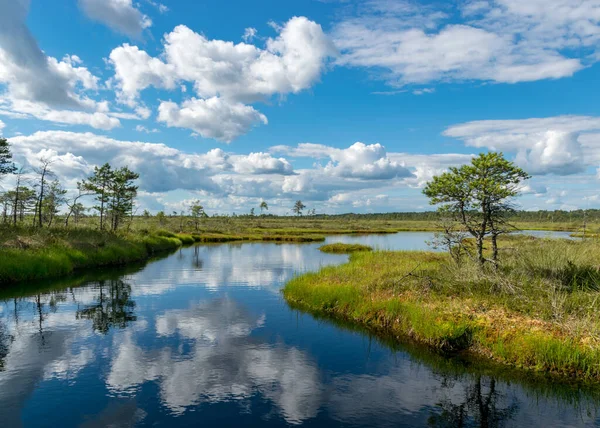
(556, 152)
(141, 128)
(98, 120)
(135, 70)
(119, 15)
(291, 62)
(358, 200)
(261, 163)
(161, 168)
(249, 34)
(242, 72)
(360, 161)
(2, 126)
(499, 41)
(367, 162)
(211, 118)
(224, 74)
(554, 145)
(531, 189)
(40, 86)
(161, 7)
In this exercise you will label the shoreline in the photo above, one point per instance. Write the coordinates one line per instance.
(448, 323)
(53, 257)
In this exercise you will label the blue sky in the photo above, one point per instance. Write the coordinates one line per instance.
(349, 106)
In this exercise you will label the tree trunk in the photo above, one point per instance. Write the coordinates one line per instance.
(15, 206)
(495, 249)
(41, 200)
(480, 257)
(102, 196)
(68, 216)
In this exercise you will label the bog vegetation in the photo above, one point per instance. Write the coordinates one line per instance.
(522, 301)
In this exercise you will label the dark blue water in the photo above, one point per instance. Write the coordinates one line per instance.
(203, 338)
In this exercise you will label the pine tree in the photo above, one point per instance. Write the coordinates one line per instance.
(122, 194)
(6, 164)
(99, 184)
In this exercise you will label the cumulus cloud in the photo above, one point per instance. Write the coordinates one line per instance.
(28, 72)
(211, 118)
(556, 152)
(135, 71)
(556, 145)
(499, 41)
(119, 15)
(261, 163)
(40, 86)
(360, 161)
(225, 76)
(290, 63)
(161, 168)
(367, 162)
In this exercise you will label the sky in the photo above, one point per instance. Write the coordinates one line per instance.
(350, 106)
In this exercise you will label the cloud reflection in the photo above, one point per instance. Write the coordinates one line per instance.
(223, 363)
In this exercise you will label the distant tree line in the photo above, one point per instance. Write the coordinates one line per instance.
(38, 196)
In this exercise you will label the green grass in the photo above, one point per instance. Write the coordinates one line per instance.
(539, 311)
(32, 255)
(341, 248)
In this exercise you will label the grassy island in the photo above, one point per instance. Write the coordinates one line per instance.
(538, 310)
(341, 248)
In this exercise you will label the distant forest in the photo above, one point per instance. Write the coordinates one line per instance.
(558, 216)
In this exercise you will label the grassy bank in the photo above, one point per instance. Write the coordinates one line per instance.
(31, 254)
(539, 311)
(49, 253)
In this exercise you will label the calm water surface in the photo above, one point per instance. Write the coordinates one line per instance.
(203, 338)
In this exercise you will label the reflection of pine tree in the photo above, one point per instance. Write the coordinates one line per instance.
(5, 341)
(477, 410)
(196, 260)
(113, 308)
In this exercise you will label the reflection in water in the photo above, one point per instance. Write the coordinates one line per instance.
(479, 407)
(220, 363)
(204, 336)
(112, 308)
